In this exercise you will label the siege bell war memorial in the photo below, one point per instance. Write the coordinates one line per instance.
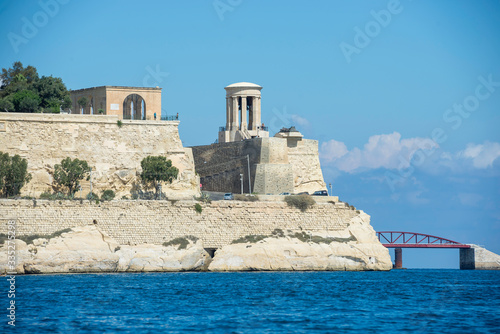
(114, 128)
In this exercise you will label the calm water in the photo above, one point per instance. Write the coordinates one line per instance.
(426, 301)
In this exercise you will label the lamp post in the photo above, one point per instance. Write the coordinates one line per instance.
(241, 179)
(330, 185)
(249, 184)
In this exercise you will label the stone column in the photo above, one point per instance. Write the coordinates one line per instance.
(228, 113)
(243, 112)
(234, 119)
(256, 113)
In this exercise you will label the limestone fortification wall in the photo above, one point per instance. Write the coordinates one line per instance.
(113, 152)
(137, 222)
(276, 165)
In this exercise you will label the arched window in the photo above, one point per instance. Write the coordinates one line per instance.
(134, 107)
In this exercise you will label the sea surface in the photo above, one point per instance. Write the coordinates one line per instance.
(417, 301)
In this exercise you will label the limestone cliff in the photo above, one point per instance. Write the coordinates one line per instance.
(355, 248)
(87, 249)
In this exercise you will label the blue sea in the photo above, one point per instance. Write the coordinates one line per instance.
(421, 301)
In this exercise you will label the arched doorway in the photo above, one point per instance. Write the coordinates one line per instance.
(134, 107)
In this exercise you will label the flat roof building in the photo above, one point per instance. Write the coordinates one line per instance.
(135, 103)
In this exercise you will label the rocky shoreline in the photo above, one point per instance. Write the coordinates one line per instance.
(87, 249)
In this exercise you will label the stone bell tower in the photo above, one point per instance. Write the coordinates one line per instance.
(243, 113)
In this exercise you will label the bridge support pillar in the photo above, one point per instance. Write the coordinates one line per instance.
(398, 258)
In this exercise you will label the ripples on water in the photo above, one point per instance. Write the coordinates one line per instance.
(426, 301)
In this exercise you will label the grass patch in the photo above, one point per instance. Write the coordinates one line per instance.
(245, 198)
(30, 238)
(198, 208)
(278, 233)
(253, 238)
(301, 202)
(183, 242)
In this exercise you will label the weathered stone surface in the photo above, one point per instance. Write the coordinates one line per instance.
(149, 257)
(155, 222)
(113, 152)
(355, 248)
(87, 249)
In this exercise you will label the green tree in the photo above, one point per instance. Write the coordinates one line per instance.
(82, 102)
(26, 101)
(6, 104)
(13, 174)
(69, 173)
(9, 76)
(156, 169)
(53, 93)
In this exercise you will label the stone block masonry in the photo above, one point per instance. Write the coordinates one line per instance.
(114, 152)
(276, 165)
(137, 222)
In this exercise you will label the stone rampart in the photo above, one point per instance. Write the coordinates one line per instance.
(276, 165)
(137, 222)
(114, 152)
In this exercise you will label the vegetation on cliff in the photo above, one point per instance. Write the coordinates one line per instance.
(156, 169)
(13, 174)
(70, 172)
(183, 242)
(301, 202)
(302, 236)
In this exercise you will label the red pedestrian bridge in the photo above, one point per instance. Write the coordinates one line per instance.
(399, 240)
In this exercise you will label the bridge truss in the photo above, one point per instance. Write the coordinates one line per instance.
(394, 239)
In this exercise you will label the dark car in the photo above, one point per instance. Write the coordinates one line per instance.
(320, 193)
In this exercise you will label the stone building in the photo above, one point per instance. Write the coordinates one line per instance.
(284, 163)
(243, 113)
(135, 103)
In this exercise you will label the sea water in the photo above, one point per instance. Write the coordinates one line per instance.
(425, 301)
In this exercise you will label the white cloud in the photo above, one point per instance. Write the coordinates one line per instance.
(482, 155)
(332, 150)
(382, 151)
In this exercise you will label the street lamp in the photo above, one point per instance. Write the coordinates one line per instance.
(330, 185)
(249, 184)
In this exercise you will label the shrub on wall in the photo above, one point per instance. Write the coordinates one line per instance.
(246, 198)
(107, 195)
(92, 196)
(198, 208)
(301, 202)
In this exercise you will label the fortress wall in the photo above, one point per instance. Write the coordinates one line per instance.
(277, 165)
(220, 165)
(113, 152)
(136, 222)
(304, 159)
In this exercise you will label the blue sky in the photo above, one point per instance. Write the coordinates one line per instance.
(403, 96)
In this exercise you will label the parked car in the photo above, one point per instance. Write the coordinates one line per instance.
(285, 194)
(320, 193)
(228, 196)
(303, 193)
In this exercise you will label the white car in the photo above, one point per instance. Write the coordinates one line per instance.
(228, 196)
